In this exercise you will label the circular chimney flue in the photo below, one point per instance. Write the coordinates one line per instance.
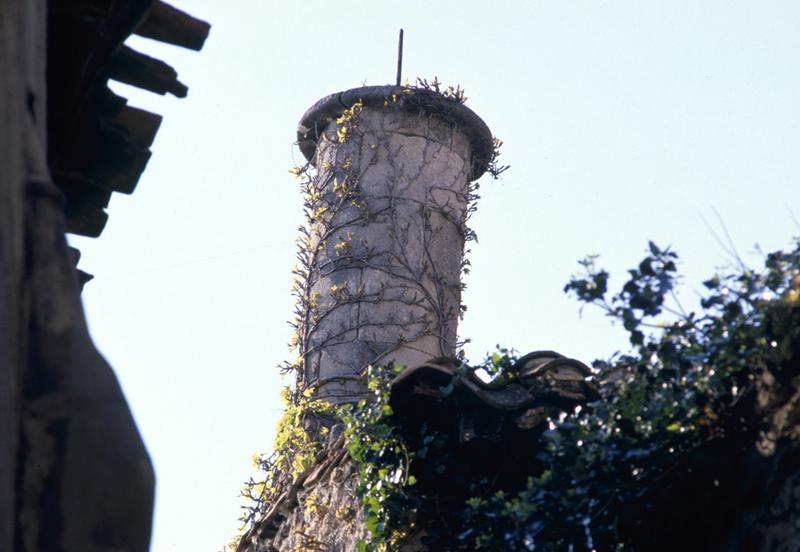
(383, 249)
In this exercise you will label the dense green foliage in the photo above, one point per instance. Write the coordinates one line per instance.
(689, 383)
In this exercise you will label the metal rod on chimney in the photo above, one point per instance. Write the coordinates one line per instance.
(400, 57)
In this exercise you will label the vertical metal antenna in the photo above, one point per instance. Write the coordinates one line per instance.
(400, 57)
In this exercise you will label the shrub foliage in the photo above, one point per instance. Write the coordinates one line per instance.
(690, 390)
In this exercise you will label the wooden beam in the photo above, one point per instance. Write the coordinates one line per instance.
(134, 68)
(84, 213)
(140, 125)
(168, 24)
(108, 153)
(86, 222)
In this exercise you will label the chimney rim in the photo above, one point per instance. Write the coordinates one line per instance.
(317, 118)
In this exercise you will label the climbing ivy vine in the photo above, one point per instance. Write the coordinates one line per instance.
(384, 461)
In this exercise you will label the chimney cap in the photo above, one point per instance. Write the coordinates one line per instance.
(317, 118)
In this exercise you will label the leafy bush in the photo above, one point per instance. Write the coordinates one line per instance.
(687, 391)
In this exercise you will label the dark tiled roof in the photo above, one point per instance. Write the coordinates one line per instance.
(488, 432)
(542, 379)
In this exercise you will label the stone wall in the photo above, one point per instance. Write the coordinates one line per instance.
(74, 474)
(22, 34)
(318, 512)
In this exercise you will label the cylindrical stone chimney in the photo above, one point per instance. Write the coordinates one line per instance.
(387, 211)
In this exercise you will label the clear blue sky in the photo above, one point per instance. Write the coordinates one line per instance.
(623, 121)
